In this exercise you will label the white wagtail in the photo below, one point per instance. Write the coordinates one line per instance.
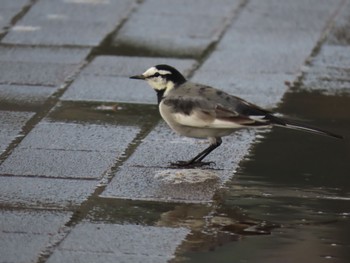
(199, 111)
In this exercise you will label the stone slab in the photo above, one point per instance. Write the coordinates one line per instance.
(300, 15)
(44, 192)
(147, 174)
(329, 72)
(9, 9)
(57, 55)
(11, 123)
(333, 56)
(340, 34)
(284, 39)
(24, 95)
(183, 7)
(69, 150)
(13, 120)
(58, 163)
(193, 35)
(110, 89)
(39, 66)
(24, 234)
(107, 79)
(89, 242)
(79, 137)
(35, 74)
(81, 23)
(264, 90)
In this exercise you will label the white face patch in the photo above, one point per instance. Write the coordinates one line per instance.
(158, 82)
(153, 70)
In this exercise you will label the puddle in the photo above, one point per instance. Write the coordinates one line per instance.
(289, 200)
(105, 113)
(299, 183)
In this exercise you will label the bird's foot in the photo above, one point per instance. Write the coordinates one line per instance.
(189, 164)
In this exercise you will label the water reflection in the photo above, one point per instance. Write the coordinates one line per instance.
(288, 202)
(299, 181)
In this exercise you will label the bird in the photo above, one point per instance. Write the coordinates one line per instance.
(201, 111)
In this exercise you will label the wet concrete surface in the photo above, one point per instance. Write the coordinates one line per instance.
(139, 178)
(121, 243)
(29, 231)
(299, 182)
(85, 170)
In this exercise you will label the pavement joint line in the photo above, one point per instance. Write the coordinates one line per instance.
(30, 84)
(50, 177)
(227, 23)
(84, 208)
(81, 211)
(18, 17)
(48, 105)
(329, 25)
(98, 50)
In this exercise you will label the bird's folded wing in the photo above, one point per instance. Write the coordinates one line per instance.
(206, 114)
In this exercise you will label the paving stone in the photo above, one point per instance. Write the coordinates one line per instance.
(281, 43)
(340, 34)
(271, 53)
(89, 242)
(69, 150)
(309, 15)
(58, 163)
(109, 89)
(9, 9)
(11, 123)
(34, 74)
(80, 137)
(333, 56)
(193, 35)
(21, 247)
(44, 192)
(107, 79)
(32, 221)
(142, 175)
(82, 23)
(265, 90)
(253, 61)
(329, 72)
(24, 95)
(184, 7)
(14, 120)
(84, 256)
(57, 55)
(39, 66)
(24, 234)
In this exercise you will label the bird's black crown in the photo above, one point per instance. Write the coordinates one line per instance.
(174, 76)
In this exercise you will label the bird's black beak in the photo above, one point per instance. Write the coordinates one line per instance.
(138, 77)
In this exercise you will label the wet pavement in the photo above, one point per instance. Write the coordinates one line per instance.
(85, 159)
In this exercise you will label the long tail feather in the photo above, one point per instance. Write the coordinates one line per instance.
(291, 124)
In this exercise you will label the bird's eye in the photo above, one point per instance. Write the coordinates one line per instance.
(156, 74)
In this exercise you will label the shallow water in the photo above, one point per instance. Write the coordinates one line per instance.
(288, 202)
(296, 182)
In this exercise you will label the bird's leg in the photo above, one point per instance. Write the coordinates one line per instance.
(197, 160)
